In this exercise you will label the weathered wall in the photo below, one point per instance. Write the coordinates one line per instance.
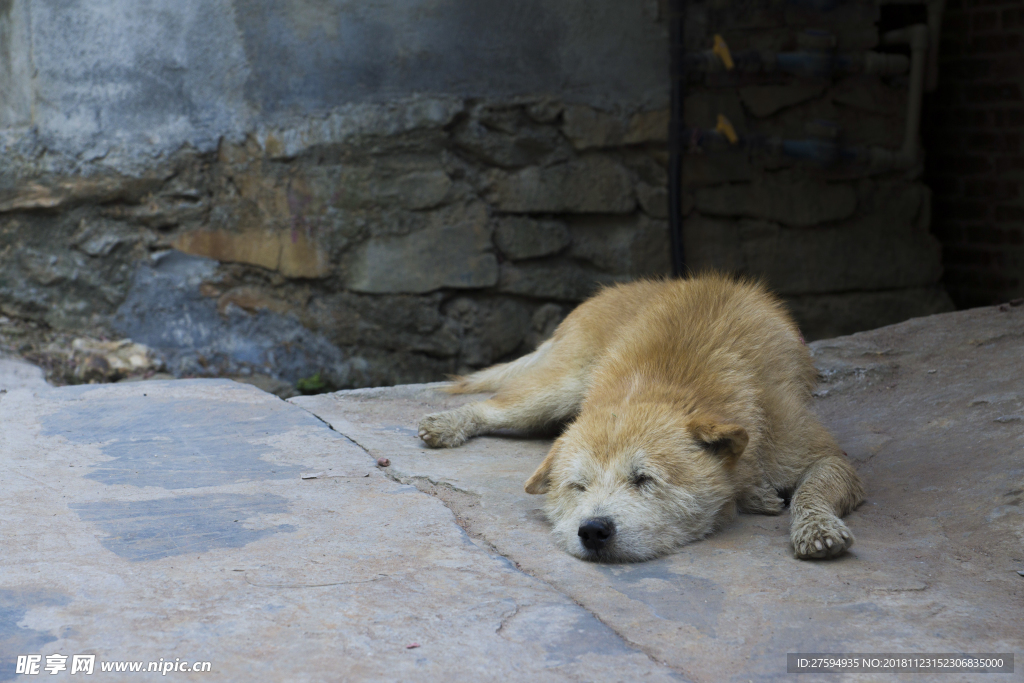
(115, 83)
(381, 193)
(847, 244)
(389, 192)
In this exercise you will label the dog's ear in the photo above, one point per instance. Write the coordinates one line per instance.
(727, 440)
(540, 481)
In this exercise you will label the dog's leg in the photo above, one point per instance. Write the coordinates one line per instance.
(531, 403)
(829, 489)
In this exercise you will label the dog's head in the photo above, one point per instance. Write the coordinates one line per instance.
(633, 483)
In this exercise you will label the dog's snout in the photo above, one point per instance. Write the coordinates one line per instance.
(595, 533)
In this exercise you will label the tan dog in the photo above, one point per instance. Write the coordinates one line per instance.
(687, 398)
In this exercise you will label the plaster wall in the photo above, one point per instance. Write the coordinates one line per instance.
(116, 82)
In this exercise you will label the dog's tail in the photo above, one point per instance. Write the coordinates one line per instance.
(497, 376)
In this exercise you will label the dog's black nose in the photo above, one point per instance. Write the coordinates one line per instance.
(595, 533)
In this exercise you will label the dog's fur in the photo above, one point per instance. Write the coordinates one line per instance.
(687, 398)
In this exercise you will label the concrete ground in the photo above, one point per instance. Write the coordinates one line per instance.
(204, 520)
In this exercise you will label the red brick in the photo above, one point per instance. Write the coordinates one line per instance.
(948, 234)
(961, 164)
(967, 277)
(954, 143)
(1005, 67)
(962, 277)
(993, 44)
(963, 117)
(966, 69)
(945, 185)
(953, 257)
(972, 297)
(988, 142)
(973, 278)
(1013, 18)
(948, 95)
(955, 118)
(949, 48)
(985, 21)
(1013, 118)
(980, 236)
(997, 92)
(996, 282)
(972, 118)
(979, 189)
(961, 210)
(957, 17)
(1005, 236)
(991, 236)
(1009, 213)
(990, 189)
(985, 258)
(993, 3)
(1009, 164)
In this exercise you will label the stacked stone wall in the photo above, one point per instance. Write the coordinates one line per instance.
(455, 238)
(848, 246)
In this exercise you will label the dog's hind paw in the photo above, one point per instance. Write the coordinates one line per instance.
(762, 501)
(819, 537)
(443, 430)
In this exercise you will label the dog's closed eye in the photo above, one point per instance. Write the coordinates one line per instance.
(576, 486)
(640, 480)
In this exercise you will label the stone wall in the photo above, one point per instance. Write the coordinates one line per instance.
(847, 244)
(412, 240)
(344, 193)
(337, 195)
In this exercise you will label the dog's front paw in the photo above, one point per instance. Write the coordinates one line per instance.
(820, 536)
(443, 430)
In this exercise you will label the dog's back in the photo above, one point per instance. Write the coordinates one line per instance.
(674, 329)
(699, 331)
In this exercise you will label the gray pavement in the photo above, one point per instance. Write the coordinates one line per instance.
(178, 519)
(18, 374)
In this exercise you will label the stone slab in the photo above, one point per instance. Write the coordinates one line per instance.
(559, 279)
(18, 374)
(442, 255)
(930, 411)
(868, 253)
(521, 238)
(590, 184)
(177, 521)
(788, 199)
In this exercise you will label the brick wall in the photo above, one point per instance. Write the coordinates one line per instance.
(973, 129)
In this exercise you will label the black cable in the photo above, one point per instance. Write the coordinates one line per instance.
(676, 134)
